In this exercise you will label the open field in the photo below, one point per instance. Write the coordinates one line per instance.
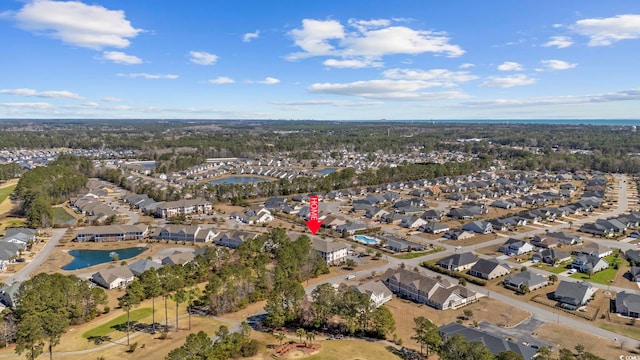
(109, 327)
(568, 337)
(404, 311)
(353, 350)
(6, 190)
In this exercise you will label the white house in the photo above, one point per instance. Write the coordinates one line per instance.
(113, 277)
(376, 290)
(331, 251)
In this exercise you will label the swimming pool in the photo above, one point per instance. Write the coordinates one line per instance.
(366, 239)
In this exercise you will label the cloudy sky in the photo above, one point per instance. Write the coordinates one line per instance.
(325, 60)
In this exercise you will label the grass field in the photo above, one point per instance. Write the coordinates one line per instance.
(553, 269)
(60, 216)
(107, 328)
(604, 277)
(626, 330)
(353, 349)
(415, 254)
(6, 191)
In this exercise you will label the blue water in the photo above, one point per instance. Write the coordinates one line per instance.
(149, 164)
(366, 239)
(86, 258)
(327, 171)
(237, 180)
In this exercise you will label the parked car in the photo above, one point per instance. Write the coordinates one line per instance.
(572, 271)
(20, 260)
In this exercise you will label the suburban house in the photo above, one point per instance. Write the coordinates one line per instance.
(594, 249)
(628, 304)
(479, 227)
(178, 258)
(459, 234)
(418, 287)
(112, 233)
(589, 263)
(9, 294)
(514, 247)
(351, 228)
(253, 215)
(634, 273)
(190, 233)
(434, 227)
(545, 242)
(495, 343)
(527, 278)
(458, 262)
(139, 266)
(399, 245)
(551, 256)
(232, 239)
(565, 238)
(633, 256)
(377, 292)
(9, 251)
(332, 252)
(574, 294)
(113, 277)
(183, 207)
(489, 269)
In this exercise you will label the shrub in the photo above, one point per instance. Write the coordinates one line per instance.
(249, 348)
(132, 347)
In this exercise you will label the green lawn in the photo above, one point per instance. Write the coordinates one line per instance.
(626, 330)
(552, 269)
(6, 191)
(109, 327)
(61, 216)
(601, 277)
(415, 254)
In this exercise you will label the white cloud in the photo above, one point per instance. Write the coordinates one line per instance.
(606, 31)
(385, 89)
(43, 94)
(510, 66)
(432, 78)
(250, 36)
(558, 64)
(269, 81)
(149, 76)
(371, 39)
(73, 22)
(338, 103)
(509, 81)
(364, 25)
(624, 95)
(352, 63)
(466, 66)
(222, 80)
(203, 58)
(119, 57)
(31, 105)
(112, 99)
(314, 37)
(559, 41)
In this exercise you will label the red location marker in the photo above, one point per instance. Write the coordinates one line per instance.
(313, 223)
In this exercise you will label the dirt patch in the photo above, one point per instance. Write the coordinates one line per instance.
(568, 337)
(404, 311)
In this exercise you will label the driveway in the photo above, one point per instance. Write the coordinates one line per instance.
(523, 331)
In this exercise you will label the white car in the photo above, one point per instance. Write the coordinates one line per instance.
(572, 271)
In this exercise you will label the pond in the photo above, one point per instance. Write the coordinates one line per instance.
(86, 258)
(327, 171)
(237, 180)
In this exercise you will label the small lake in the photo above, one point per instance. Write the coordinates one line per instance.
(238, 180)
(327, 171)
(148, 164)
(86, 258)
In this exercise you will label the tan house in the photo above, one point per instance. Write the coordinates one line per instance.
(113, 277)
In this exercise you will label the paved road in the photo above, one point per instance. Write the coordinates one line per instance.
(25, 273)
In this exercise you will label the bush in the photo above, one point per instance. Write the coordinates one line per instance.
(106, 309)
(132, 347)
(249, 348)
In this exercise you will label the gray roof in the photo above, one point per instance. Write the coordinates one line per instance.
(139, 266)
(572, 292)
(526, 278)
(628, 300)
(457, 260)
(494, 343)
(486, 266)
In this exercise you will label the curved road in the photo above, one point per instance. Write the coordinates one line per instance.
(25, 273)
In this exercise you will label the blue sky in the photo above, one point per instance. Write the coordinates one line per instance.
(325, 60)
